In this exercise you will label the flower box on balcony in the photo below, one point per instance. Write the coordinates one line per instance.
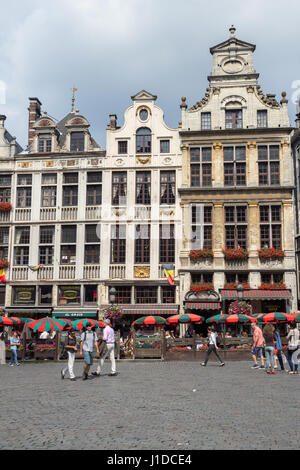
(271, 253)
(4, 263)
(196, 255)
(202, 286)
(231, 254)
(5, 207)
(273, 285)
(233, 285)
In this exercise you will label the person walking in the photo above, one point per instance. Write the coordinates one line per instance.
(268, 333)
(3, 338)
(14, 343)
(293, 346)
(278, 348)
(109, 338)
(87, 344)
(212, 347)
(71, 348)
(256, 350)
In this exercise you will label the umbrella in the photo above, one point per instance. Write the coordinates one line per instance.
(185, 318)
(220, 318)
(47, 324)
(276, 317)
(16, 320)
(150, 320)
(239, 318)
(79, 324)
(7, 321)
(26, 333)
(296, 317)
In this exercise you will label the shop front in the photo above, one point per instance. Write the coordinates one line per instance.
(203, 303)
(261, 300)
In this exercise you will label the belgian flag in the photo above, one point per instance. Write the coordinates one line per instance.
(169, 273)
(2, 275)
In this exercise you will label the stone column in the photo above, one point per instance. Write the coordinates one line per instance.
(251, 164)
(218, 229)
(217, 165)
(286, 164)
(185, 166)
(253, 241)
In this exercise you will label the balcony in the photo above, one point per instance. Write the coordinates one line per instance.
(19, 273)
(93, 212)
(67, 272)
(45, 273)
(91, 271)
(69, 213)
(48, 213)
(142, 213)
(5, 216)
(22, 214)
(117, 271)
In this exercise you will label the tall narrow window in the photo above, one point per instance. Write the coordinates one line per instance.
(270, 226)
(44, 143)
(262, 118)
(143, 187)
(70, 189)
(94, 188)
(268, 165)
(167, 187)
(77, 142)
(68, 244)
(21, 246)
(48, 191)
(5, 188)
(118, 244)
(201, 236)
(46, 245)
(201, 166)
(166, 243)
(164, 146)
(234, 166)
(92, 245)
(4, 238)
(119, 188)
(24, 183)
(142, 244)
(205, 121)
(236, 226)
(233, 119)
(143, 140)
(122, 147)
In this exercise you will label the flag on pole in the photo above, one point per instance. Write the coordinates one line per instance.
(35, 268)
(169, 273)
(2, 275)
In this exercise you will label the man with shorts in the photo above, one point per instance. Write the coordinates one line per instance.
(256, 351)
(87, 344)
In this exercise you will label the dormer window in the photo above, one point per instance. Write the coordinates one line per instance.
(143, 140)
(45, 143)
(77, 142)
(233, 119)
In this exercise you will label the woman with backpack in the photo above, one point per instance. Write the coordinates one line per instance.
(293, 346)
(212, 347)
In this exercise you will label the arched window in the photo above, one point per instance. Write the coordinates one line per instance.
(143, 140)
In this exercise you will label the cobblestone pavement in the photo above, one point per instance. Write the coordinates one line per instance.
(149, 405)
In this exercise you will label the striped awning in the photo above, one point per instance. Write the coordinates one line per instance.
(260, 294)
(203, 305)
(147, 309)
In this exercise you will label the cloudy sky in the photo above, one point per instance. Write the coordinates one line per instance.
(111, 49)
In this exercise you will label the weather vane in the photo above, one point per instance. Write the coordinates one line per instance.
(73, 99)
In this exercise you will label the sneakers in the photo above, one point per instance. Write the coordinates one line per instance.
(11, 365)
(85, 376)
(62, 375)
(262, 367)
(203, 364)
(112, 374)
(268, 371)
(73, 379)
(255, 366)
(96, 374)
(273, 372)
(222, 364)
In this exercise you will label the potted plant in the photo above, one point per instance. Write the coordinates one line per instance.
(5, 207)
(240, 307)
(4, 263)
(273, 285)
(196, 255)
(202, 286)
(271, 253)
(233, 285)
(235, 254)
(113, 312)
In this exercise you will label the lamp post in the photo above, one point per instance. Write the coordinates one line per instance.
(112, 295)
(240, 291)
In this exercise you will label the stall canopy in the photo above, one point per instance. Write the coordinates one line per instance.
(256, 294)
(203, 305)
(146, 309)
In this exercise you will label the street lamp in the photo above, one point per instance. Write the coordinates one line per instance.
(112, 295)
(240, 291)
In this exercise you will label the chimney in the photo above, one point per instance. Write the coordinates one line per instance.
(34, 113)
(113, 121)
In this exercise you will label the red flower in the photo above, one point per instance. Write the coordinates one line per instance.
(5, 206)
(202, 286)
(198, 254)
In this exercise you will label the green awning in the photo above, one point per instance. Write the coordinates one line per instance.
(74, 315)
(147, 309)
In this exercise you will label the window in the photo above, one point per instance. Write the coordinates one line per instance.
(4, 238)
(90, 294)
(118, 244)
(45, 143)
(234, 166)
(270, 226)
(143, 114)
(262, 118)
(24, 183)
(168, 295)
(5, 188)
(143, 140)
(46, 248)
(269, 278)
(164, 146)
(201, 236)
(205, 121)
(77, 142)
(142, 244)
(70, 189)
(146, 295)
(119, 188)
(123, 295)
(69, 295)
(122, 147)
(166, 244)
(236, 227)
(92, 245)
(21, 248)
(202, 278)
(167, 187)
(201, 166)
(268, 165)
(68, 244)
(143, 187)
(48, 193)
(238, 278)
(24, 295)
(233, 119)
(45, 295)
(94, 191)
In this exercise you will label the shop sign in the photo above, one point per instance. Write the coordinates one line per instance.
(24, 295)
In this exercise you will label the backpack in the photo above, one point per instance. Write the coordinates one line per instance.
(94, 336)
(218, 341)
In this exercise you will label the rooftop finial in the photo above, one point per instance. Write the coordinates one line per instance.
(73, 99)
(232, 30)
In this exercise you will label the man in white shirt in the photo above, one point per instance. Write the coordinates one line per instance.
(212, 347)
(109, 338)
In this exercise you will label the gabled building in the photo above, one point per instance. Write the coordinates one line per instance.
(237, 189)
